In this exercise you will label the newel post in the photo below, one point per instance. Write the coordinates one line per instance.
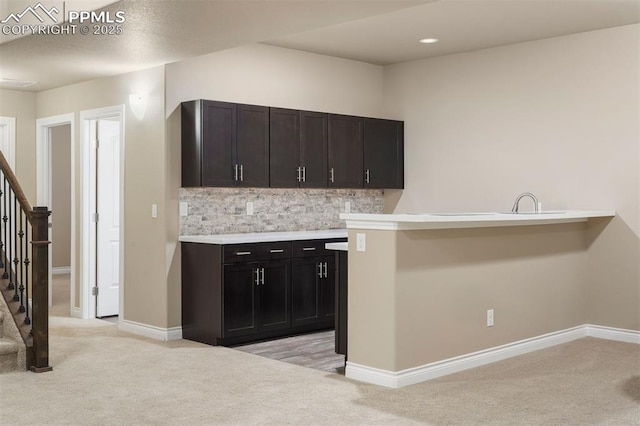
(40, 289)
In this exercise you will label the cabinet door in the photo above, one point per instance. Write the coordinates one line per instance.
(252, 146)
(240, 290)
(383, 153)
(345, 151)
(313, 148)
(218, 139)
(284, 148)
(274, 295)
(191, 143)
(328, 289)
(305, 290)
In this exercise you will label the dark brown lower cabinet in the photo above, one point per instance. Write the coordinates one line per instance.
(256, 297)
(314, 291)
(239, 293)
(341, 273)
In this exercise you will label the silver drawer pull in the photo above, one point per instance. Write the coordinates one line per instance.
(277, 250)
(242, 253)
(308, 248)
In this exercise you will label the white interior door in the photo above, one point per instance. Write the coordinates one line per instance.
(108, 218)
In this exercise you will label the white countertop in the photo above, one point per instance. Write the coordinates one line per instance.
(337, 246)
(262, 237)
(416, 221)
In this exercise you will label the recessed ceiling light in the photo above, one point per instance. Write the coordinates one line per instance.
(428, 40)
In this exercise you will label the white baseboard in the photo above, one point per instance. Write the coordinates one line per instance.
(76, 312)
(151, 331)
(611, 333)
(433, 370)
(59, 270)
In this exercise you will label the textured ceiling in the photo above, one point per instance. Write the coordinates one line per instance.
(460, 25)
(378, 31)
(162, 31)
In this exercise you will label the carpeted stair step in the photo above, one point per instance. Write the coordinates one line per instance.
(10, 350)
(8, 356)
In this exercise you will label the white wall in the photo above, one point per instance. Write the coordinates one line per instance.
(558, 117)
(144, 245)
(60, 139)
(22, 106)
(267, 75)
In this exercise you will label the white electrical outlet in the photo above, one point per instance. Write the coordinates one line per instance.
(249, 208)
(347, 207)
(361, 242)
(154, 211)
(490, 318)
(184, 208)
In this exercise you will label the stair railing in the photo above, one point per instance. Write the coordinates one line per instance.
(24, 266)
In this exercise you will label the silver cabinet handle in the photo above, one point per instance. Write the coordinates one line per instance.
(242, 253)
(299, 174)
(235, 172)
(308, 248)
(277, 250)
(241, 174)
(257, 272)
(325, 269)
(304, 173)
(262, 275)
(331, 177)
(320, 269)
(367, 176)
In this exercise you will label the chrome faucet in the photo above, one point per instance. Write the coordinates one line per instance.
(515, 207)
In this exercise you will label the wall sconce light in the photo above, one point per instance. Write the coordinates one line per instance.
(138, 104)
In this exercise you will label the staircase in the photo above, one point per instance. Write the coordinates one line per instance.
(12, 348)
(24, 278)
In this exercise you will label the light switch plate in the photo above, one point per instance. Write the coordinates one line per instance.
(154, 211)
(184, 208)
(347, 207)
(249, 208)
(361, 242)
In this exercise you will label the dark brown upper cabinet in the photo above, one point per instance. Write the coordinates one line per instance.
(284, 148)
(298, 148)
(224, 144)
(227, 144)
(345, 148)
(383, 153)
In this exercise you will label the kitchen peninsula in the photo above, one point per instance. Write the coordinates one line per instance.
(422, 286)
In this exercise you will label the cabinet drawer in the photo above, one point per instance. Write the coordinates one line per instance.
(279, 250)
(309, 248)
(235, 253)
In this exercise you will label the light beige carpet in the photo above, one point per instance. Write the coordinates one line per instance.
(104, 376)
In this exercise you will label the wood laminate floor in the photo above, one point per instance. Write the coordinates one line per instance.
(313, 350)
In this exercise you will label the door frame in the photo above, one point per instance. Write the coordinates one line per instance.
(87, 201)
(8, 128)
(44, 187)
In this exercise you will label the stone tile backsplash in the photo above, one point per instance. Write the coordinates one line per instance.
(224, 210)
